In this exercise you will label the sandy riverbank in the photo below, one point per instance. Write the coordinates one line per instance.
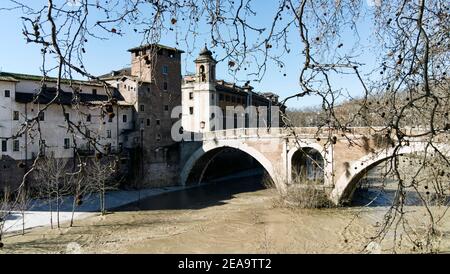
(245, 223)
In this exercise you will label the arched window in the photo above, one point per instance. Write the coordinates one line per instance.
(202, 73)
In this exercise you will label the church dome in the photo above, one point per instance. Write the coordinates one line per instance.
(205, 52)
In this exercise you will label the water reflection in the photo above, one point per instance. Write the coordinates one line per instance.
(209, 194)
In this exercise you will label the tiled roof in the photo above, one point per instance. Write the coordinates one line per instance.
(116, 74)
(159, 46)
(15, 77)
(8, 79)
(65, 98)
(224, 86)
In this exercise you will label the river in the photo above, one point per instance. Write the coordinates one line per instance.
(232, 216)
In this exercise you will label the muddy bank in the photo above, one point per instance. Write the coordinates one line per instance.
(241, 222)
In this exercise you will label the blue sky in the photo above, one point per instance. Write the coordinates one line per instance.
(103, 56)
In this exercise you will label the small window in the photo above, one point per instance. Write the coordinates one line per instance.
(94, 91)
(88, 118)
(66, 143)
(212, 96)
(110, 119)
(148, 122)
(108, 133)
(142, 107)
(158, 137)
(166, 108)
(165, 86)
(4, 146)
(191, 110)
(148, 89)
(191, 95)
(16, 145)
(124, 118)
(165, 70)
(202, 73)
(158, 122)
(41, 116)
(16, 116)
(7, 93)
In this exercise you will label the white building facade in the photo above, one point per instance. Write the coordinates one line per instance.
(25, 100)
(205, 101)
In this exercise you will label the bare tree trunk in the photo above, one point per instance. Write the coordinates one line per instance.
(23, 208)
(73, 208)
(51, 210)
(103, 198)
(23, 222)
(57, 206)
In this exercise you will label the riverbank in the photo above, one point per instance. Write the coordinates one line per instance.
(234, 222)
(39, 215)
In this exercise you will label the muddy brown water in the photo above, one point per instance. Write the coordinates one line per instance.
(234, 216)
(206, 195)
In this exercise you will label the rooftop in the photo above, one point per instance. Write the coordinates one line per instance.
(65, 98)
(16, 77)
(206, 52)
(159, 46)
(116, 74)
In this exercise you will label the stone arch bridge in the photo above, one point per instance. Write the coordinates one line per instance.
(345, 156)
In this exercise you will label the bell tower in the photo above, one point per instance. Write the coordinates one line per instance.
(205, 67)
(199, 94)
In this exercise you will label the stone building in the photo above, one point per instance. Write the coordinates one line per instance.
(22, 97)
(140, 98)
(204, 99)
(152, 85)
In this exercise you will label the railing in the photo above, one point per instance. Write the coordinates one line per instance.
(301, 132)
(244, 133)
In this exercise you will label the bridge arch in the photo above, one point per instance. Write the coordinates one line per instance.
(311, 149)
(208, 147)
(347, 182)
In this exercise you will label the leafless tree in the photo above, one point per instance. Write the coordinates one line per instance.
(79, 187)
(408, 84)
(4, 212)
(51, 182)
(101, 179)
